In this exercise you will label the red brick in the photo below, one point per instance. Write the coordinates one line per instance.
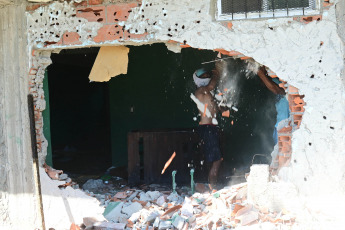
(71, 38)
(119, 12)
(293, 89)
(108, 33)
(95, 2)
(92, 14)
(33, 7)
(284, 138)
(297, 108)
(285, 130)
(283, 161)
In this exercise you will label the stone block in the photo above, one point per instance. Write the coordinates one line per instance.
(132, 208)
(153, 195)
(113, 211)
(178, 221)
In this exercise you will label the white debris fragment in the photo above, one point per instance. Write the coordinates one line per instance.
(187, 208)
(132, 208)
(173, 197)
(153, 195)
(113, 211)
(178, 221)
(144, 197)
(161, 200)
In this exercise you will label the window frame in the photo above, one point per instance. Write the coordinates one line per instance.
(265, 14)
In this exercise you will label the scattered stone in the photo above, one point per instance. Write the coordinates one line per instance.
(165, 224)
(153, 195)
(108, 226)
(121, 195)
(93, 185)
(178, 221)
(63, 176)
(132, 208)
(173, 197)
(161, 201)
(113, 211)
(144, 197)
(89, 221)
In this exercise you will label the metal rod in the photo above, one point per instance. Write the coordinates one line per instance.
(35, 157)
(173, 181)
(192, 180)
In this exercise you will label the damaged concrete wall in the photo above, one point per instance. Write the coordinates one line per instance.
(305, 52)
(17, 201)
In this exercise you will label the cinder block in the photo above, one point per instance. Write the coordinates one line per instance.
(92, 14)
(119, 12)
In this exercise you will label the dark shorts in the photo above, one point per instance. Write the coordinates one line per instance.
(209, 142)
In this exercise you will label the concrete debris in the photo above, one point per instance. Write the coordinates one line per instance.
(108, 226)
(161, 201)
(52, 173)
(113, 211)
(154, 207)
(93, 185)
(132, 208)
(227, 208)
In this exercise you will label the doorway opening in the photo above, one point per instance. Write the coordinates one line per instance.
(90, 122)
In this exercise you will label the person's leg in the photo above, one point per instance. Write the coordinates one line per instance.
(213, 174)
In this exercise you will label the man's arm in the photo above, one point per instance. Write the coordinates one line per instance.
(273, 87)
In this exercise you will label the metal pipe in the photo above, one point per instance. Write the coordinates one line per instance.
(192, 180)
(173, 181)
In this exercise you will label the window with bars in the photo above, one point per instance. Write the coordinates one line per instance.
(242, 9)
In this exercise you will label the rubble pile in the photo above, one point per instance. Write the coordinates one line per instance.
(224, 209)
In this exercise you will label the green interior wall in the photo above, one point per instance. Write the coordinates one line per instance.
(158, 87)
(46, 121)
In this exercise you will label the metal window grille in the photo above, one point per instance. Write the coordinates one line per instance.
(242, 9)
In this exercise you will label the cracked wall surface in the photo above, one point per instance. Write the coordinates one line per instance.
(18, 208)
(306, 53)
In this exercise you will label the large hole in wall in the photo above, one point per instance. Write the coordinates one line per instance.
(91, 122)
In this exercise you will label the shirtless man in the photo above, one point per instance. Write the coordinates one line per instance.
(208, 130)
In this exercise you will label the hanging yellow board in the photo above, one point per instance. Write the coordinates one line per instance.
(110, 62)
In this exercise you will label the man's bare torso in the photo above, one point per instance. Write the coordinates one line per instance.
(205, 97)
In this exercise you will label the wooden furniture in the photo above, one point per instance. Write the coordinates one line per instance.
(148, 152)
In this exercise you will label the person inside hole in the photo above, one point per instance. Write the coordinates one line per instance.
(208, 129)
(281, 104)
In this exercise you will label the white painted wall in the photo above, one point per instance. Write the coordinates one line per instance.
(291, 49)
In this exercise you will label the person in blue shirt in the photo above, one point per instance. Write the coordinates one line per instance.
(282, 105)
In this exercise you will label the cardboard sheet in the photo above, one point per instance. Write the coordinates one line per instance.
(110, 62)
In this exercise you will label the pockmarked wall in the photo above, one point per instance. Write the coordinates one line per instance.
(306, 53)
